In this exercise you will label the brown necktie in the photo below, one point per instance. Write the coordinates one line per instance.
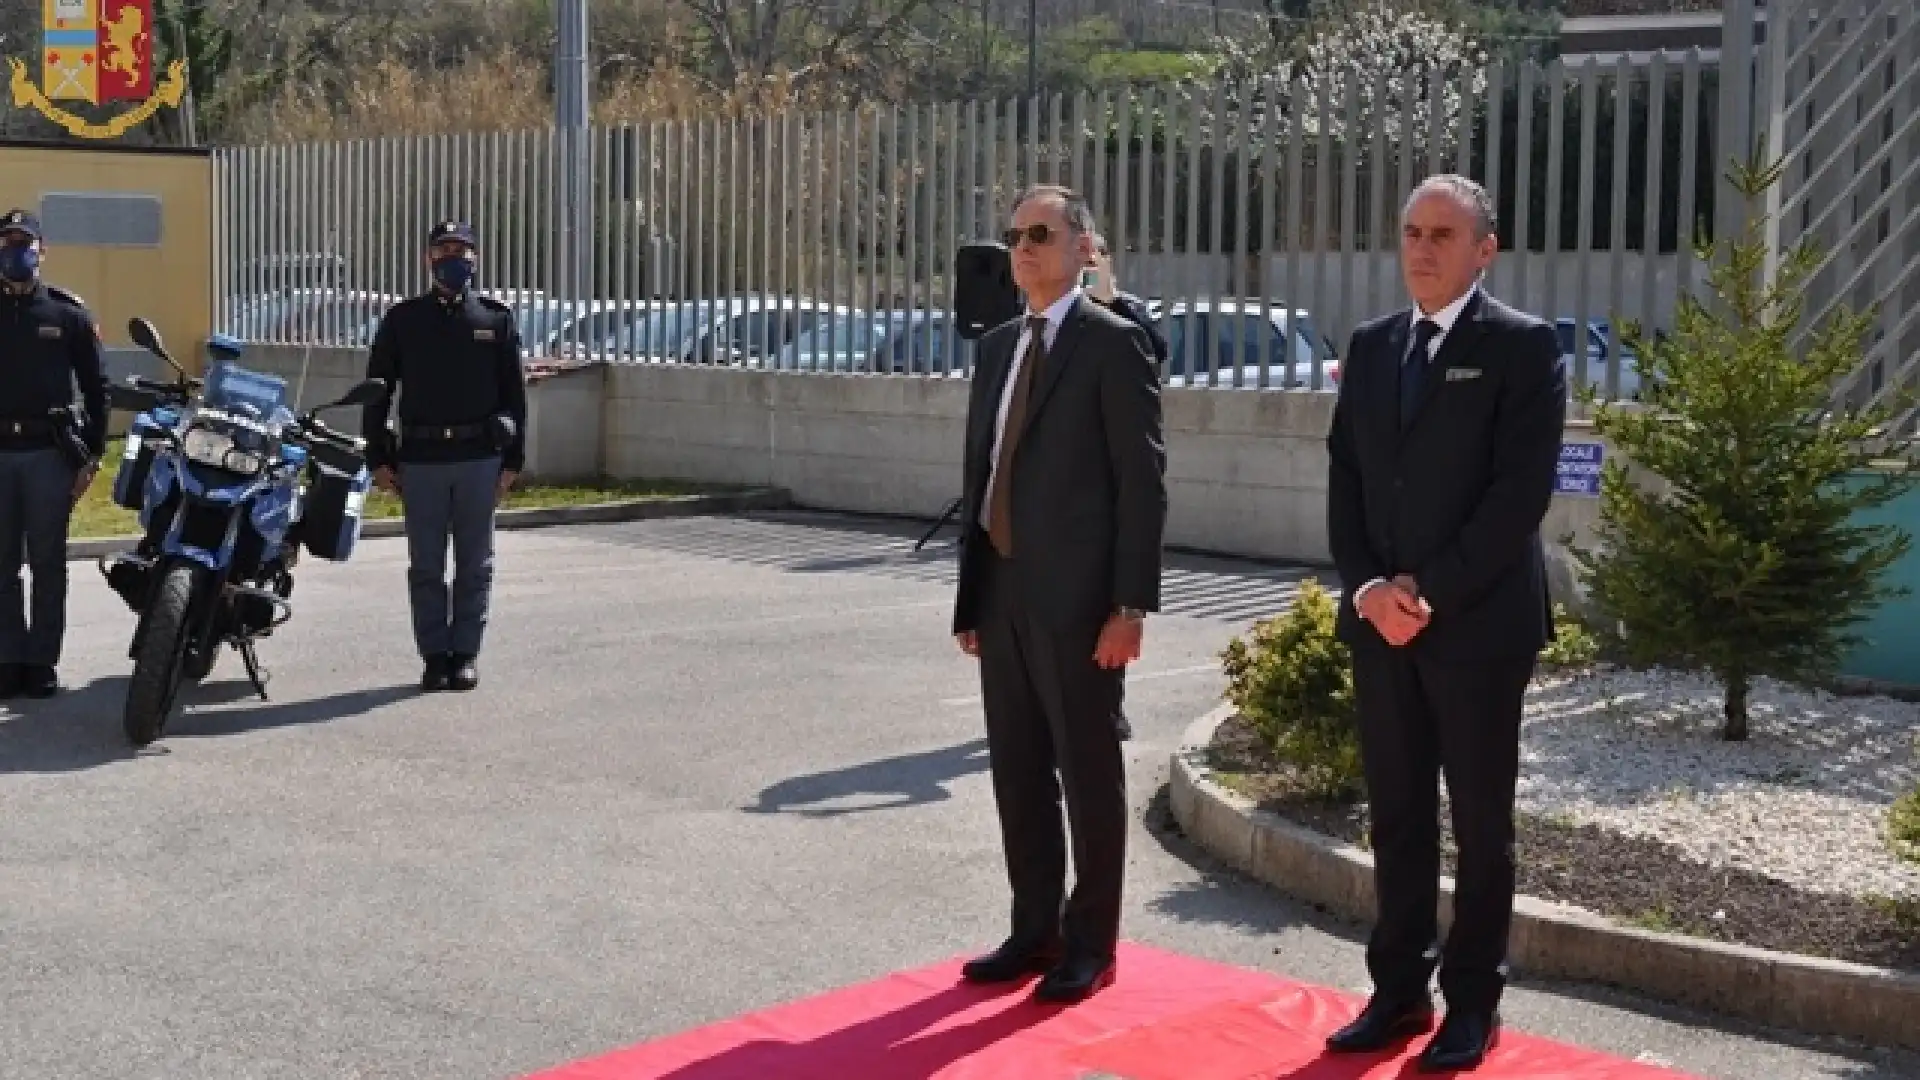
(1000, 500)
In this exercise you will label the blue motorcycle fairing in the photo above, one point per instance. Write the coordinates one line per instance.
(267, 500)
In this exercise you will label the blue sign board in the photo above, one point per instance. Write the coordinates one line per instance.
(1579, 469)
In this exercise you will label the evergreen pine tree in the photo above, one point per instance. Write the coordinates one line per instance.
(1738, 553)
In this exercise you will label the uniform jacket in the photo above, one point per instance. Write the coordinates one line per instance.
(454, 362)
(48, 343)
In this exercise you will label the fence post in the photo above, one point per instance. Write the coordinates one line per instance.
(1739, 74)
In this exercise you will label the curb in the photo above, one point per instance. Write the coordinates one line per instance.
(1555, 941)
(540, 517)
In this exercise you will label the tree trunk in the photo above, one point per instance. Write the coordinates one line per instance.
(1736, 729)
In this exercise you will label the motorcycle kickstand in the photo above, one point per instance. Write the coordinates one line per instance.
(257, 674)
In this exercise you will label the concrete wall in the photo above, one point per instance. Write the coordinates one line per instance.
(563, 410)
(1246, 469)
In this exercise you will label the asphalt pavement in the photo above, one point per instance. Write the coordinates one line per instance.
(713, 764)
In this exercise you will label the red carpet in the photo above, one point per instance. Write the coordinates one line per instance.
(1167, 1017)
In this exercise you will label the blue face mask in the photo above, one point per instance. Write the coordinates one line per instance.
(19, 263)
(453, 272)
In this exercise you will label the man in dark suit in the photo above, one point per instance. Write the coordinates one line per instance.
(1063, 509)
(1443, 448)
(1101, 284)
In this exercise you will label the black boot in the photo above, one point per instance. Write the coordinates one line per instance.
(461, 672)
(39, 681)
(434, 677)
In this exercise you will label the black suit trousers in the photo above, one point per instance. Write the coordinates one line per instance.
(1421, 718)
(1050, 729)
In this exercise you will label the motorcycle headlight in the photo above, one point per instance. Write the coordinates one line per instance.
(217, 450)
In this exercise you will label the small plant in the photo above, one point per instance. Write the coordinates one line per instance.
(1903, 826)
(1749, 563)
(1573, 645)
(1291, 679)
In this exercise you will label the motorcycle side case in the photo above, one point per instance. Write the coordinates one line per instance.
(335, 500)
(136, 460)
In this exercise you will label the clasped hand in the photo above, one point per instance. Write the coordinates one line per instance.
(1397, 610)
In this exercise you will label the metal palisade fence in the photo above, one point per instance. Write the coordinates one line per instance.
(1258, 219)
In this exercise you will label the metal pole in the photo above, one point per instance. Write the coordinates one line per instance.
(1033, 47)
(571, 120)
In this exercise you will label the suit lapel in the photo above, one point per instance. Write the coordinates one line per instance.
(1064, 344)
(1387, 396)
(994, 368)
(1456, 346)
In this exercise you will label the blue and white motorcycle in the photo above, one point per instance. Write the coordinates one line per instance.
(230, 484)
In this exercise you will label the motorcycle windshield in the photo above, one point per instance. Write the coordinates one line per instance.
(242, 391)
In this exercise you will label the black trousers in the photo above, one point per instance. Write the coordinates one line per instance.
(1419, 719)
(1050, 730)
(36, 504)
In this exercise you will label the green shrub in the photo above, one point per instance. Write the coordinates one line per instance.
(1292, 681)
(1574, 645)
(1903, 826)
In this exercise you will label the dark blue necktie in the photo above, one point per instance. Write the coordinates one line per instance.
(1413, 367)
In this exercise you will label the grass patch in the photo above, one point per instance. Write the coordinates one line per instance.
(96, 515)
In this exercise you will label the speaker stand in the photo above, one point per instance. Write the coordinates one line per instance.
(945, 516)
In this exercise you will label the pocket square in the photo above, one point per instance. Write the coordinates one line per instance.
(1458, 373)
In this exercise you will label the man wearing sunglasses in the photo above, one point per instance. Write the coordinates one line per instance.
(1063, 509)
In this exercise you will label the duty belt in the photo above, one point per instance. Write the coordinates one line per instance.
(444, 432)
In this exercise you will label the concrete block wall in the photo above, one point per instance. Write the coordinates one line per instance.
(563, 410)
(1246, 469)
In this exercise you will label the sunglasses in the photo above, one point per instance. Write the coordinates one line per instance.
(1039, 233)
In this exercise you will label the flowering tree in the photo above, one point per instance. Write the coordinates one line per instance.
(1379, 59)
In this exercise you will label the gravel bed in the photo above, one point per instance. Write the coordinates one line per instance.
(1631, 806)
(1803, 799)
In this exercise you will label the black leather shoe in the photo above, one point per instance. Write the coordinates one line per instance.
(1076, 978)
(10, 681)
(39, 681)
(434, 677)
(461, 672)
(1011, 962)
(1462, 1041)
(1382, 1024)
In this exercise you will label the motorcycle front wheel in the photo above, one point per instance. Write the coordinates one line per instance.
(159, 662)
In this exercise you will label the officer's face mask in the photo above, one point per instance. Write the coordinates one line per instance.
(19, 262)
(453, 272)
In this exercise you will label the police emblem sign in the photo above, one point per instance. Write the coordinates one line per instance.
(97, 51)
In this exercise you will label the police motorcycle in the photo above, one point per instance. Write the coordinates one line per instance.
(230, 485)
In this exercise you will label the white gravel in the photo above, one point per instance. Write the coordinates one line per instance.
(1802, 800)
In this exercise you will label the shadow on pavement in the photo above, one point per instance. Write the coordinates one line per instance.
(915, 779)
(80, 728)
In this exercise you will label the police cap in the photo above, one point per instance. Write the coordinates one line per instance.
(18, 220)
(451, 230)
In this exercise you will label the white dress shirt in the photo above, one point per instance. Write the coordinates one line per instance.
(1055, 314)
(1444, 318)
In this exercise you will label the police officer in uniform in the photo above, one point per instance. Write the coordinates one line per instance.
(48, 454)
(454, 357)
